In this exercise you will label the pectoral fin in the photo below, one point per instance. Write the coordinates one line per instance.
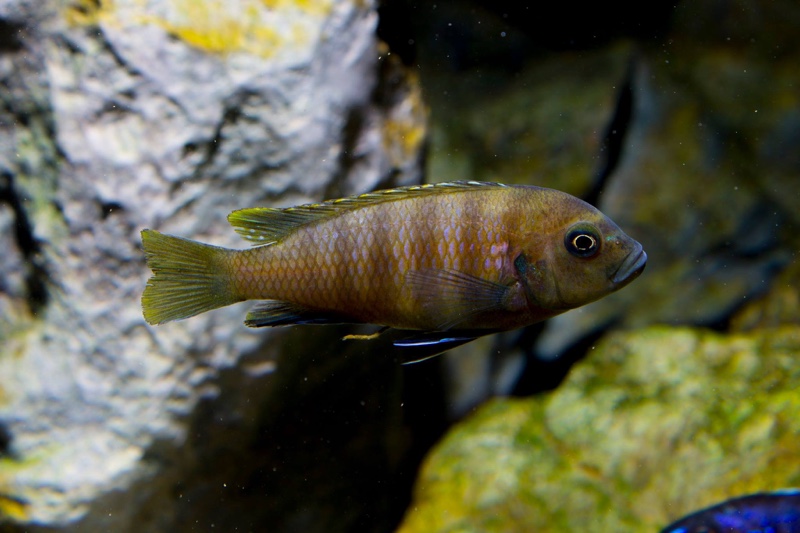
(453, 296)
(278, 313)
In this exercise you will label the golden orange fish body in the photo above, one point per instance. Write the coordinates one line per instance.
(462, 256)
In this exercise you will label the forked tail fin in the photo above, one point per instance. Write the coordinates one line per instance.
(189, 278)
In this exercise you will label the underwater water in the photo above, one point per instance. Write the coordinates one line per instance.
(681, 122)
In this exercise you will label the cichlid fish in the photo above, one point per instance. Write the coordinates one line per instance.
(450, 262)
(771, 512)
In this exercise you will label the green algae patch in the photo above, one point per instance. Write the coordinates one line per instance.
(653, 425)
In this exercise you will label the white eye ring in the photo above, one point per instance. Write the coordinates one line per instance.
(581, 246)
(582, 240)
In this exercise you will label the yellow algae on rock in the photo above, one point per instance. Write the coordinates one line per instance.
(12, 507)
(254, 27)
(405, 127)
(87, 12)
(257, 27)
(310, 7)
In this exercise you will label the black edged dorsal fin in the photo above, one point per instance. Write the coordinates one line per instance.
(268, 225)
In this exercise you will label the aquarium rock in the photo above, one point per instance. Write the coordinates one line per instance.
(654, 424)
(165, 114)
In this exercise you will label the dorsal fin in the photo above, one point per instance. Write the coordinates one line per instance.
(267, 225)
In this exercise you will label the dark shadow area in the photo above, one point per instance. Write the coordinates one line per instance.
(464, 32)
(331, 441)
(613, 139)
(541, 375)
(36, 277)
(10, 36)
(6, 439)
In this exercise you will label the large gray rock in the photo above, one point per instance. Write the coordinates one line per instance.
(168, 115)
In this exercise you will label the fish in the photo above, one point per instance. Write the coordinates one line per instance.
(764, 512)
(441, 263)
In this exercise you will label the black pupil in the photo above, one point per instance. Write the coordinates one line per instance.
(583, 243)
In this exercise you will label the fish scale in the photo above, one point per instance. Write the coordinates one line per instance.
(461, 258)
(347, 278)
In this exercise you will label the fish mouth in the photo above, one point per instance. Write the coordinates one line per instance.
(631, 266)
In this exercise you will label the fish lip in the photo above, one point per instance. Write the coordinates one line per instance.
(631, 266)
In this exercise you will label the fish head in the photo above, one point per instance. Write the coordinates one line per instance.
(585, 257)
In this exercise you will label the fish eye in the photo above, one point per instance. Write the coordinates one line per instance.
(582, 240)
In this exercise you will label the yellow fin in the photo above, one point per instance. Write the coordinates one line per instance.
(189, 278)
(267, 225)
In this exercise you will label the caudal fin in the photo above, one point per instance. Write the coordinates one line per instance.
(189, 278)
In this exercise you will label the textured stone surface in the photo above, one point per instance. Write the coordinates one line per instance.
(684, 139)
(162, 114)
(705, 176)
(544, 126)
(654, 424)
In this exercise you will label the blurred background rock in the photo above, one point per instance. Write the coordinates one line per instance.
(680, 121)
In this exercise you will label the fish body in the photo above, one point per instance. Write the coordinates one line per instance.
(772, 512)
(462, 259)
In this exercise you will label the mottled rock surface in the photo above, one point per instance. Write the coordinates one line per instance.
(682, 134)
(165, 114)
(654, 424)
(490, 131)
(705, 174)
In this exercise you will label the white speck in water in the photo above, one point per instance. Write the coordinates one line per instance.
(502, 34)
